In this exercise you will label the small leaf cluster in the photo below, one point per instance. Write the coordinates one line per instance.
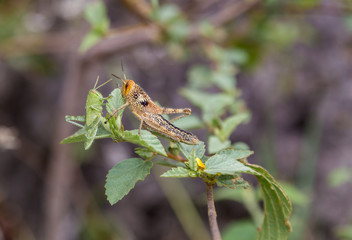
(95, 13)
(222, 110)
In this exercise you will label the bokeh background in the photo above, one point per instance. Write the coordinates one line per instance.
(292, 65)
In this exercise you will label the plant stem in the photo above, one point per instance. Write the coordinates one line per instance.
(214, 228)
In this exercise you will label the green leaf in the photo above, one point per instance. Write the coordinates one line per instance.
(206, 29)
(226, 55)
(191, 153)
(102, 132)
(189, 122)
(95, 14)
(169, 163)
(123, 177)
(215, 144)
(245, 229)
(237, 55)
(146, 139)
(230, 124)
(226, 162)
(179, 172)
(192, 162)
(187, 150)
(115, 101)
(223, 80)
(340, 176)
(277, 206)
(89, 41)
(297, 196)
(240, 146)
(79, 136)
(166, 13)
(199, 77)
(212, 105)
(178, 30)
(231, 181)
(144, 153)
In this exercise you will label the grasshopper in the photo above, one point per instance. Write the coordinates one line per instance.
(94, 109)
(149, 113)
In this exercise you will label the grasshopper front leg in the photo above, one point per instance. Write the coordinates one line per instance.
(185, 111)
(140, 126)
(121, 107)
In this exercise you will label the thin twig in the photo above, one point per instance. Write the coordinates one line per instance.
(142, 9)
(214, 228)
(231, 11)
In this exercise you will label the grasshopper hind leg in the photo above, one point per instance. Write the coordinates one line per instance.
(185, 111)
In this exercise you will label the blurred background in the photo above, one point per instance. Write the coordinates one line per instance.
(290, 63)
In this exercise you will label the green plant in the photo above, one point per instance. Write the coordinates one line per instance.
(223, 168)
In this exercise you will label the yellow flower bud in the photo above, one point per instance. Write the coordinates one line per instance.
(199, 163)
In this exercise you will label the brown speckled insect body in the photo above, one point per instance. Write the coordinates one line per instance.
(149, 113)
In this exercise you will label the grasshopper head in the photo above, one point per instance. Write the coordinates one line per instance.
(127, 86)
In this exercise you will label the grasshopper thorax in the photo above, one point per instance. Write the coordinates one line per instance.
(127, 86)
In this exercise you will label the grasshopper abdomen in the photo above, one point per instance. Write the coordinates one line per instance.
(159, 124)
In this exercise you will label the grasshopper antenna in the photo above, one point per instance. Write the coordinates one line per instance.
(118, 78)
(102, 83)
(96, 82)
(123, 71)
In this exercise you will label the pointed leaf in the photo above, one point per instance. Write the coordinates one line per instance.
(102, 132)
(144, 153)
(146, 139)
(95, 14)
(231, 181)
(187, 150)
(215, 144)
(230, 124)
(89, 40)
(226, 162)
(213, 105)
(79, 136)
(199, 77)
(114, 102)
(123, 177)
(277, 207)
(189, 122)
(169, 163)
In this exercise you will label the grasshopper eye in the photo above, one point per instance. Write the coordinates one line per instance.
(128, 86)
